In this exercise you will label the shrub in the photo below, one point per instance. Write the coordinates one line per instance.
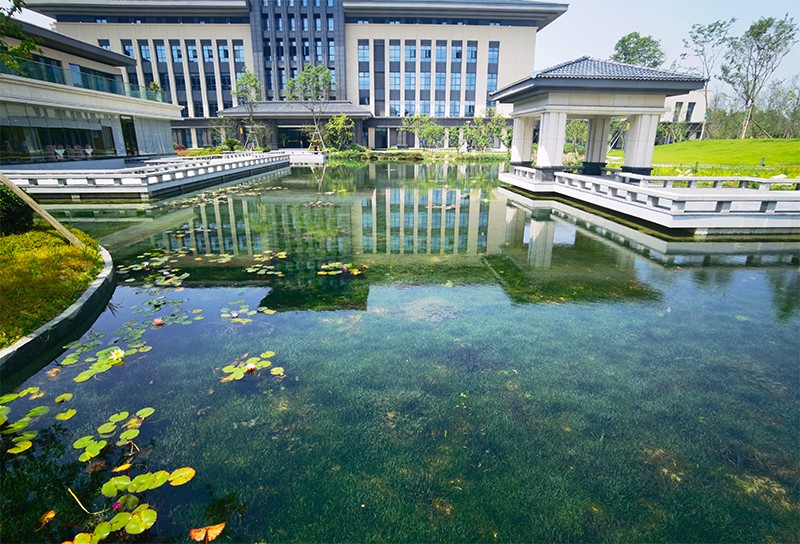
(15, 216)
(231, 143)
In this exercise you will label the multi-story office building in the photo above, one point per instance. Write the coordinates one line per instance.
(393, 59)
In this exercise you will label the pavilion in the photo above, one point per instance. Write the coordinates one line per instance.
(598, 91)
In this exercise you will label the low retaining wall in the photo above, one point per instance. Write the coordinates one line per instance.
(52, 335)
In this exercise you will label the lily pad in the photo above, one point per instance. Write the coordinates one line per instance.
(135, 526)
(65, 397)
(277, 371)
(38, 411)
(71, 359)
(107, 428)
(181, 476)
(145, 412)
(20, 447)
(82, 442)
(5, 399)
(109, 490)
(64, 416)
(83, 376)
(119, 416)
(17, 426)
(159, 478)
(148, 517)
(129, 435)
(102, 530)
(120, 520)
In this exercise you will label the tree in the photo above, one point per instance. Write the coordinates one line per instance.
(577, 134)
(339, 132)
(482, 131)
(429, 132)
(751, 59)
(12, 54)
(248, 93)
(312, 89)
(639, 50)
(706, 43)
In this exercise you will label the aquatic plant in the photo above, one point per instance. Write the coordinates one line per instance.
(336, 268)
(248, 365)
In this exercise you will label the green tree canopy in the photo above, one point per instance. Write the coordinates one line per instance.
(752, 58)
(312, 89)
(639, 50)
(339, 132)
(21, 47)
(248, 93)
(429, 132)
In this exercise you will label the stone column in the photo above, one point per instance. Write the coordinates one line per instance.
(639, 144)
(596, 145)
(552, 135)
(540, 244)
(522, 141)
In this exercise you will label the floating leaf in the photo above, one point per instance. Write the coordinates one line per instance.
(71, 359)
(29, 391)
(64, 416)
(145, 412)
(122, 468)
(128, 501)
(119, 416)
(277, 371)
(83, 376)
(102, 530)
(82, 442)
(65, 397)
(4, 411)
(20, 447)
(38, 411)
(17, 426)
(120, 520)
(82, 538)
(267, 354)
(181, 476)
(159, 478)
(5, 399)
(148, 517)
(109, 489)
(141, 483)
(129, 435)
(207, 533)
(107, 428)
(135, 526)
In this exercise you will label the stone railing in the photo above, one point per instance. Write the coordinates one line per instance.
(155, 172)
(708, 182)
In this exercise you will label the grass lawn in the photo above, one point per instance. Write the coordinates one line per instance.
(42, 275)
(780, 156)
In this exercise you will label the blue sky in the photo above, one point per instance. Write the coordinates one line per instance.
(592, 27)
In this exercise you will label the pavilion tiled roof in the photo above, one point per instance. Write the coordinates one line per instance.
(591, 68)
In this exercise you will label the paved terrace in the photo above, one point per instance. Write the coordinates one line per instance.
(706, 205)
(157, 179)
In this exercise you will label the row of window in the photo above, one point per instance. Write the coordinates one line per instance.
(456, 52)
(292, 3)
(292, 24)
(282, 74)
(280, 50)
(425, 81)
(177, 52)
(409, 108)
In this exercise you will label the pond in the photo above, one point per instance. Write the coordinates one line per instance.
(411, 353)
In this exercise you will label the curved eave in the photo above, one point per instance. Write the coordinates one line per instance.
(530, 87)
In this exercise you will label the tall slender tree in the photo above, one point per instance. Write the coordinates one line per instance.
(248, 94)
(707, 43)
(752, 58)
(312, 89)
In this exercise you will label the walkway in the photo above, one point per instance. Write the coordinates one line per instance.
(705, 205)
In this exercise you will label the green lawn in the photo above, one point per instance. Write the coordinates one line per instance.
(726, 157)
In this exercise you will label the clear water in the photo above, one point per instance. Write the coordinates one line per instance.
(502, 370)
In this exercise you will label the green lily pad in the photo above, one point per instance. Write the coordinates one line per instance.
(107, 428)
(145, 412)
(181, 476)
(109, 490)
(145, 349)
(119, 416)
(83, 538)
(135, 526)
(64, 416)
(5, 399)
(102, 530)
(4, 411)
(27, 435)
(267, 354)
(140, 483)
(70, 359)
(82, 442)
(148, 517)
(159, 478)
(38, 411)
(129, 435)
(20, 447)
(129, 502)
(65, 397)
(229, 368)
(29, 391)
(83, 376)
(17, 426)
(120, 520)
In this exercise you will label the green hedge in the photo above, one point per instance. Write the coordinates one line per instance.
(15, 216)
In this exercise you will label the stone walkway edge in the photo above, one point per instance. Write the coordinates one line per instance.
(52, 333)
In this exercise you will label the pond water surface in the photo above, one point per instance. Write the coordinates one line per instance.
(451, 363)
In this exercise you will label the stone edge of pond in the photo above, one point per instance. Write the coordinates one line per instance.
(52, 333)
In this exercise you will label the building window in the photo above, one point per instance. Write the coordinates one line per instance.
(191, 53)
(411, 81)
(455, 108)
(225, 82)
(177, 54)
(425, 81)
(161, 53)
(317, 23)
(394, 81)
(425, 53)
(330, 23)
(266, 24)
(211, 82)
(472, 53)
(163, 78)
(494, 53)
(180, 82)
(292, 25)
(425, 107)
(469, 82)
(304, 22)
(318, 50)
(441, 81)
(101, 21)
(441, 52)
(293, 49)
(689, 111)
(394, 108)
(278, 23)
(331, 51)
(409, 108)
(439, 108)
(456, 53)
(208, 53)
(363, 81)
(223, 53)
(198, 109)
(144, 51)
(279, 49)
(469, 108)
(306, 50)
(455, 81)
(127, 48)
(194, 82)
(105, 44)
(394, 52)
(238, 52)
(363, 51)
(491, 82)
(411, 52)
